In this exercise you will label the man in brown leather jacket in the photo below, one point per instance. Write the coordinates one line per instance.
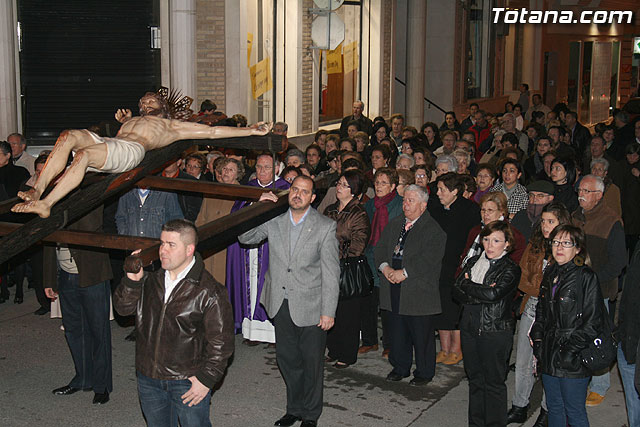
(185, 330)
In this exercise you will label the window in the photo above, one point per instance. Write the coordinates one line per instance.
(480, 50)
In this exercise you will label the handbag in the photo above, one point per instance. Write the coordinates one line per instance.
(356, 279)
(603, 349)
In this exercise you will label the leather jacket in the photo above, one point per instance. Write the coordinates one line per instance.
(562, 327)
(191, 334)
(495, 301)
(352, 227)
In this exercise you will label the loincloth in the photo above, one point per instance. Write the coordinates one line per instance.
(122, 155)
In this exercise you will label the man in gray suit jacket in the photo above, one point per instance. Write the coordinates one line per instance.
(300, 294)
(409, 256)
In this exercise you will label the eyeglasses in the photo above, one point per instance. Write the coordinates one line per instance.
(492, 241)
(584, 190)
(421, 175)
(381, 183)
(342, 184)
(486, 210)
(564, 243)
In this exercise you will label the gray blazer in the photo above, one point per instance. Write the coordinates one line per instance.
(423, 252)
(310, 276)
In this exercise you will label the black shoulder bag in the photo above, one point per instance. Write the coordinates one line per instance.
(356, 279)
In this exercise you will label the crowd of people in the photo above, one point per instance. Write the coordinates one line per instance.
(520, 220)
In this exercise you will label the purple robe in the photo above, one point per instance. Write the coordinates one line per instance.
(238, 277)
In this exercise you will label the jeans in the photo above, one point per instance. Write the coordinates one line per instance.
(566, 401)
(162, 405)
(601, 383)
(85, 317)
(525, 378)
(627, 372)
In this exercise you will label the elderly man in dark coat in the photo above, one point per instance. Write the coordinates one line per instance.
(409, 258)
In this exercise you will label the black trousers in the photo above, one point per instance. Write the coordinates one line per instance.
(344, 338)
(369, 317)
(486, 362)
(411, 334)
(300, 357)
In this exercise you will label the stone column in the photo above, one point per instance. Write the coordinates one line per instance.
(182, 45)
(416, 33)
(9, 114)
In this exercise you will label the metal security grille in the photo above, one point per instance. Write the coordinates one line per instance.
(82, 59)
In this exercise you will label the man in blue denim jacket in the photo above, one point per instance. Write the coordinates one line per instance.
(141, 212)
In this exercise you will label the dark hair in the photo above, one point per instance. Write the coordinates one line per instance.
(164, 107)
(506, 104)
(313, 146)
(511, 138)
(383, 149)
(207, 104)
(185, 228)
(5, 147)
(474, 104)
(352, 162)
(354, 123)
(537, 114)
(526, 86)
(502, 226)
(202, 160)
(517, 106)
(433, 127)
(42, 158)
(632, 148)
(356, 180)
(350, 141)
(571, 113)
(390, 173)
(376, 128)
(539, 96)
(489, 168)
(288, 169)
(569, 166)
(306, 178)
(509, 160)
(469, 182)
(452, 181)
(575, 234)
(538, 242)
(333, 155)
(319, 134)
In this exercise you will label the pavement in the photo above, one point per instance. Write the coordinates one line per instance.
(34, 359)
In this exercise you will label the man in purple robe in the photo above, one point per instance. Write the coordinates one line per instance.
(246, 269)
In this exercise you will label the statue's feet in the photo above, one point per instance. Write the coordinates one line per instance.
(39, 207)
(30, 195)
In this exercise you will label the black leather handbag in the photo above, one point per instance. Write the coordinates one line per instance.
(603, 349)
(356, 279)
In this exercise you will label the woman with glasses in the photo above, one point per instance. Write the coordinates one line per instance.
(536, 258)
(486, 287)
(569, 315)
(353, 232)
(386, 205)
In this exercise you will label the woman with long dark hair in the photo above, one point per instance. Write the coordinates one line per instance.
(570, 315)
(432, 133)
(450, 122)
(563, 175)
(537, 256)
(353, 232)
(486, 287)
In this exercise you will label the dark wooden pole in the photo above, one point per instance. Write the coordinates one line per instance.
(83, 200)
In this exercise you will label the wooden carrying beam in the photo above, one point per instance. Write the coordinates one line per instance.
(222, 232)
(83, 200)
(212, 189)
(88, 238)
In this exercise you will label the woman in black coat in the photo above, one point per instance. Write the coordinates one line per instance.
(456, 216)
(486, 287)
(563, 175)
(570, 314)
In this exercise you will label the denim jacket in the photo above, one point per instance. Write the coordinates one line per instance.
(145, 220)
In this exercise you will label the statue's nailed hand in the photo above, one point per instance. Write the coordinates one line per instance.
(122, 115)
(261, 128)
